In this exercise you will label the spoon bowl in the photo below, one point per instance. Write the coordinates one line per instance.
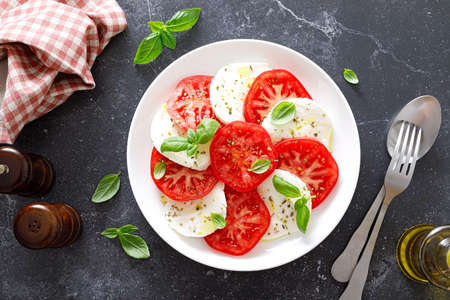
(423, 111)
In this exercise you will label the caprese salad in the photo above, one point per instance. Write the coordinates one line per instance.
(241, 156)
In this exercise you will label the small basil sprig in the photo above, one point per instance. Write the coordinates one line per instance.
(160, 169)
(350, 76)
(107, 187)
(206, 130)
(192, 135)
(260, 166)
(133, 245)
(285, 188)
(151, 47)
(204, 133)
(283, 113)
(303, 213)
(289, 190)
(218, 220)
(174, 144)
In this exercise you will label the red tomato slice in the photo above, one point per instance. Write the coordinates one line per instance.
(247, 221)
(234, 148)
(267, 90)
(189, 103)
(312, 162)
(180, 183)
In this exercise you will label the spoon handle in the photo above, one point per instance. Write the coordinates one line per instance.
(356, 284)
(343, 266)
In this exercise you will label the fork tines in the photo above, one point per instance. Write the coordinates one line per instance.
(407, 148)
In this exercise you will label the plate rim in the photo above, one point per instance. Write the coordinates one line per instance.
(354, 130)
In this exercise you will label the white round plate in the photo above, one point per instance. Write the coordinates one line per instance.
(346, 151)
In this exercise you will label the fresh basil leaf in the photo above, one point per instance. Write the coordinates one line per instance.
(106, 189)
(206, 130)
(192, 149)
(110, 233)
(303, 216)
(159, 170)
(174, 144)
(156, 26)
(350, 76)
(260, 166)
(192, 136)
(134, 246)
(184, 19)
(128, 228)
(283, 113)
(149, 49)
(168, 39)
(218, 220)
(285, 188)
(300, 202)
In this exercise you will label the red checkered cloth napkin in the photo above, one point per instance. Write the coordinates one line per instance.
(51, 46)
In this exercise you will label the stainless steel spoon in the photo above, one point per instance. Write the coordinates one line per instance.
(425, 112)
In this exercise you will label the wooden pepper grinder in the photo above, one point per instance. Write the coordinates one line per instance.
(25, 174)
(42, 225)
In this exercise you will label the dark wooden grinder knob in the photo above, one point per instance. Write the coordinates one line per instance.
(24, 174)
(42, 225)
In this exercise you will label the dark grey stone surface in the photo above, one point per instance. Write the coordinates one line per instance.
(400, 50)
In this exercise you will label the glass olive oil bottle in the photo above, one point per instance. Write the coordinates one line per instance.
(423, 254)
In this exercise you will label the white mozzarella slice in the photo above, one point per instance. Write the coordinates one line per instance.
(162, 128)
(193, 218)
(310, 121)
(282, 212)
(230, 87)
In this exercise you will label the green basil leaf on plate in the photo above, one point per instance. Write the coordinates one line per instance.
(106, 189)
(285, 188)
(128, 228)
(303, 216)
(110, 233)
(168, 39)
(174, 144)
(134, 246)
(283, 113)
(192, 136)
(206, 130)
(192, 149)
(159, 170)
(218, 220)
(300, 202)
(156, 26)
(350, 76)
(183, 19)
(260, 166)
(149, 49)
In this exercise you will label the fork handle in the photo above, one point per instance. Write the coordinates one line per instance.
(343, 266)
(356, 284)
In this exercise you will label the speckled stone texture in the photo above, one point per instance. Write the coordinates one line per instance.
(400, 50)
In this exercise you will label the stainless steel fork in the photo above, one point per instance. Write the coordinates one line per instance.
(398, 177)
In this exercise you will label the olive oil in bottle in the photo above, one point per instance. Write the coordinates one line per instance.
(408, 249)
(423, 254)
